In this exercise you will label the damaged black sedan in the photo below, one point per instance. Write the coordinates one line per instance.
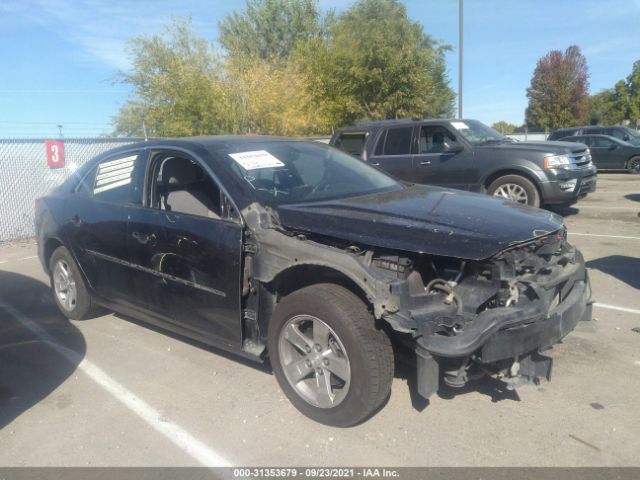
(298, 253)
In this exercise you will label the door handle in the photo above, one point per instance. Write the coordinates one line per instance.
(375, 164)
(76, 220)
(144, 239)
(426, 162)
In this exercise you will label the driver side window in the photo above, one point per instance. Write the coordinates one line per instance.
(432, 139)
(180, 185)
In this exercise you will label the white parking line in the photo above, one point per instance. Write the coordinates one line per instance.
(614, 307)
(605, 236)
(174, 433)
(28, 258)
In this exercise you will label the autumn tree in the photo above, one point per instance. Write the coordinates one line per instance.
(559, 91)
(504, 127)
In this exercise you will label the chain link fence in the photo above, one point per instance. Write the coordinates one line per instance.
(25, 176)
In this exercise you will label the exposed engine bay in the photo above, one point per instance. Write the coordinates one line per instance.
(471, 318)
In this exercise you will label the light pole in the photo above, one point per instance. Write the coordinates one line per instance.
(460, 43)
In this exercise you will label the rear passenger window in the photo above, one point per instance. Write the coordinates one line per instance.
(352, 143)
(113, 180)
(396, 141)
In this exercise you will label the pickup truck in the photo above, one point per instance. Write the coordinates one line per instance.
(468, 155)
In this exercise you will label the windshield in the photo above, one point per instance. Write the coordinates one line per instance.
(281, 172)
(477, 133)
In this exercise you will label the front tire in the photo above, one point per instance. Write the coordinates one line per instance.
(515, 188)
(69, 290)
(633, 165)
(328, 357)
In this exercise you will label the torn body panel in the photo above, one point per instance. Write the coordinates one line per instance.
(457, 312)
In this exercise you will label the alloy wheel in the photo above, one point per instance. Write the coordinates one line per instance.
(512, 191)
(64, 285)
(314, 361)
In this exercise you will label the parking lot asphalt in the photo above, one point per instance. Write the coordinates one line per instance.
(113, 392)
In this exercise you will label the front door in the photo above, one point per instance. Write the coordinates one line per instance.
(606, 152)
(201, 250)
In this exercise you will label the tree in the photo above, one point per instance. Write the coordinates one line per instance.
(504, 127)
(271, 98)
(558, 96)
(270, 29)
(376, 63)
(602, 109)
(177, 88)
(617, 104)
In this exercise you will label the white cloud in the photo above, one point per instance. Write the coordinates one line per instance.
(100, 28)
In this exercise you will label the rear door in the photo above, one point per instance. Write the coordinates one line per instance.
(98, 216)
(393, 152)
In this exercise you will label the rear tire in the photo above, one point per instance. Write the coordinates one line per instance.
(516, 188)
(340, 381)
(69, 290)
(633, 165)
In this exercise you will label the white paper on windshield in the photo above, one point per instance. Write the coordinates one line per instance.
(460, 125)
(256, 159)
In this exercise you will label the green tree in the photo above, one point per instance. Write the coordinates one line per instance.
(504, 127)
(558, 96)
(602, 109)
(376, 63)
(270, 29)
(177, 87)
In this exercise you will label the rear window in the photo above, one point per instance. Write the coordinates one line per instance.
(560, 134)
(113, 180)
(395, 141)
(352, 143)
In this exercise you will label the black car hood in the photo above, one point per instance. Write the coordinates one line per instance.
(424, 219)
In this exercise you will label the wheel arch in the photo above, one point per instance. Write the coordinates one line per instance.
(512, 171)
(50, 246)
(628, 161)
(303, 275)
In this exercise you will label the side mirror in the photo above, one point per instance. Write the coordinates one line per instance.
(613, 146)
(626, 138)
(452, 147)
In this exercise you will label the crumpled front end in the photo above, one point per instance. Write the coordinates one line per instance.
(494, 316)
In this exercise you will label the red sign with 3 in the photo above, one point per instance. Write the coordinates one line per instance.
(55, 153)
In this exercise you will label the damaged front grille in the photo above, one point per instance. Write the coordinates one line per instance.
(522, 283)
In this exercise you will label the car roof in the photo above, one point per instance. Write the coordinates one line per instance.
(371, 124)
(206, 142)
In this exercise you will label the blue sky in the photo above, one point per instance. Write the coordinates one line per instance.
(60, 56)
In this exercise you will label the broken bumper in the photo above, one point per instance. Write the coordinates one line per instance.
(506, 335)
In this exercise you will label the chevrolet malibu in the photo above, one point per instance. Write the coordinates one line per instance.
(298, 253)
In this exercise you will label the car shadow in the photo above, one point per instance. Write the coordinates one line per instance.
(622, 267)
(30, 369)
(634, 197)
(264, 367)
(563, 210)
(497, 390)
